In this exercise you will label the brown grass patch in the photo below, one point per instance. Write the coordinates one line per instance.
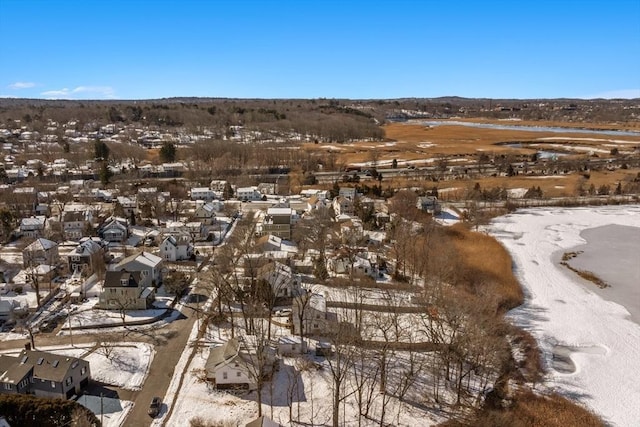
(486, 267)
(532, 410)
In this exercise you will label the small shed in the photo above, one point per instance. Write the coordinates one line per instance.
(289, 345)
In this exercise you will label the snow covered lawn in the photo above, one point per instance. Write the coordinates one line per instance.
(595, 339)
(126, 366)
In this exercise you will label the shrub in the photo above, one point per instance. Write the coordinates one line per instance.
(29, 411)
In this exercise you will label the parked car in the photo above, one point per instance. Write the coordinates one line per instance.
(283, 312)
(154, 407)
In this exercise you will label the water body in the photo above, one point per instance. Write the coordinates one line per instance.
(530, 128)
(612, 253)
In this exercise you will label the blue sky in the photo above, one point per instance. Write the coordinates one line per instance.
(138, 49)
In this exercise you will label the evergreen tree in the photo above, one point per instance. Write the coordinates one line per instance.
(168, 152)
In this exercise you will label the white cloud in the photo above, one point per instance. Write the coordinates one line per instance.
(82, 92)
(21, 85)
(616, 94)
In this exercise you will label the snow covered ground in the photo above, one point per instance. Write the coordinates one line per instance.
(591, 346)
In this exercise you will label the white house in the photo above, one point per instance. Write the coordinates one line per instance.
(280, 277)
(342, 205)
(289, 345)
(234, 364)
(316, 320)
(202, 193)
(247, 194)
(176, 247)
(32, 227)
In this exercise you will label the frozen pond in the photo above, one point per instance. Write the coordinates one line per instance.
(587, 336)
(612, 253)
(528, 128)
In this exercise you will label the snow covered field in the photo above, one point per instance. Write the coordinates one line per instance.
(591, 346)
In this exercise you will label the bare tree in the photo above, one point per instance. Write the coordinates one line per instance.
(340, 364)
(259, 355)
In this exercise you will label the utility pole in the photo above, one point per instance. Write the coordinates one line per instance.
(70, 333)
(101, 409)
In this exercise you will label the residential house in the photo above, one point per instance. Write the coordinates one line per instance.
(202, 193)
(248, 194)
(40, 251)
(147, 194)
(342, 206)
(278, 222)
(315, 202)
(274, 247)
(206, 213)
(75, 224)
(43, 374)
(348, 192)
(6, 309)
(358, 264)
(123, 290)
(176, 247)
(267, 188)
(429, 204)
(218, 185)
(114, 230)
(320, 194)
(280, 278)
(87, 257)
(15, 378)
(236, 364)
(310, 315)
(32, 227)
(172, 169)
(149, 266)
(129, 205)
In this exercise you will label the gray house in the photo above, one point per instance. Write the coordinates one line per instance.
(148, 264)
(429, 204)
(43, 374)
(40, 251)
(123, 290)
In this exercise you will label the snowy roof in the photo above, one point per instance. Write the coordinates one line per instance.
(41, 244)
(145, 258)
(279, 211)
(223, 354)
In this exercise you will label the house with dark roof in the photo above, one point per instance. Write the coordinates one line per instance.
(43, 374)
(114, 230)
(123, 290)
(86, 257)
(177, 247)
(428, 204)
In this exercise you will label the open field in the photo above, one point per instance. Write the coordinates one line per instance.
(445, 146)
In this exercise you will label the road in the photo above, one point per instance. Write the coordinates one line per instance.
(170, 344)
